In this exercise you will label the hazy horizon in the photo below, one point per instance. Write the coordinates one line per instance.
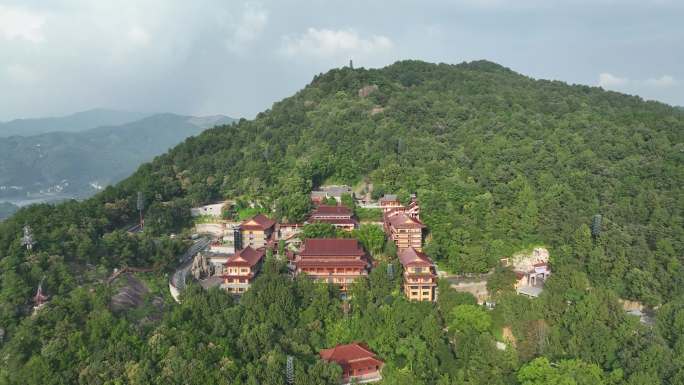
(144, 114)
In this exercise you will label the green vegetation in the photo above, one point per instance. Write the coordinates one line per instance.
(348, 201)
(320, 230)
(368, 215)
(469, 319)
(372, 237)
(571, 372)
(499, 162)
(502, 279)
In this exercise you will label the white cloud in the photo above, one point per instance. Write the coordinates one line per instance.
(138, 35)
(663, 81)
(17, 23)
(247, 27)
(333, 43)
(607, 80)
(610, 81)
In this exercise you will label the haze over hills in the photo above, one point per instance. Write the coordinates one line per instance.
(57, 165)
(79, 121)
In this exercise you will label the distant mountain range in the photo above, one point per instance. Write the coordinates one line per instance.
(77, 122)
(78, 161)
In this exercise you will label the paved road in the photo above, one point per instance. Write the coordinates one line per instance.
(179, 276)
(460, 279)
(136, 228)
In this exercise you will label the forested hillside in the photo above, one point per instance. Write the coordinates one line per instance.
(77, 164)
(500, 162)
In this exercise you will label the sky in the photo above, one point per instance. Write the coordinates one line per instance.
(239, 57)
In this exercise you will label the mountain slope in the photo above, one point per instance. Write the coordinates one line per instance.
(77, 122)
(77, 163)
(500, 162)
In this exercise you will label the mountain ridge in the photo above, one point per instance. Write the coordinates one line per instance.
(60, 162)
(78, 121)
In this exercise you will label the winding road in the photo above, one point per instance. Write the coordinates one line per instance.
(177, 282)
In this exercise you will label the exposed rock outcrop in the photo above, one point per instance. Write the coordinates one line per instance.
(367, 90)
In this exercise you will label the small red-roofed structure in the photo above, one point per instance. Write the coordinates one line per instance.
(358, 363)
(389, 202)
(338, 216)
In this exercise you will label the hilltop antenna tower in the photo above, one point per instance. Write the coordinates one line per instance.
(596, 225)
(390, 271)
(289, 371)
(140, 205)
(27, 238)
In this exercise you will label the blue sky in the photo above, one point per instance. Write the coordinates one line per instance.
(237, 57)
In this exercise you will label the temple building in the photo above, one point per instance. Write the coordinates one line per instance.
(389, 202)
(403, 226)
(405, 230)
(359, 364)
(326, 192)
(338, 216)
(420, 278)
(531, 270)
(241, 268)
(413, 208)
(530, 281)
(256, 232)
(336, 261)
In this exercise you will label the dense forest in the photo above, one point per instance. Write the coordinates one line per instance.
(500, 162)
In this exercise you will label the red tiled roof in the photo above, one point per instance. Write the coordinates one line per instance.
(355, 263)
(246, 257)
(345, 354)
(334, 221)
(295, 225)
(258, 222)
(331, 247)
(411, 257)
(403, 221)
(328, 210)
